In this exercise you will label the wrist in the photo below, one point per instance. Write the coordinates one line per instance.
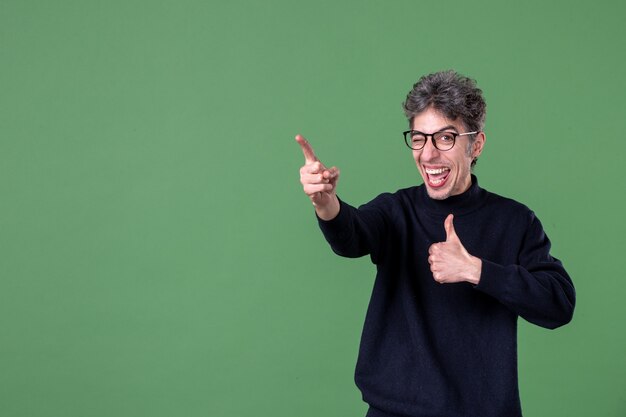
(475, 270)
(328, 211)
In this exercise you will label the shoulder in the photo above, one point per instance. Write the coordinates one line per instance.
(507, 209)
(394, 199)
(505, 202)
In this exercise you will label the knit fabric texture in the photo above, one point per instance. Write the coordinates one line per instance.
(434, 350)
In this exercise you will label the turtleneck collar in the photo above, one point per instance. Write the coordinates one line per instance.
(460, 204)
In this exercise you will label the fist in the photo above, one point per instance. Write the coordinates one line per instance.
(450, 262)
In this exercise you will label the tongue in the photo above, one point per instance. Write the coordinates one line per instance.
(437, 180)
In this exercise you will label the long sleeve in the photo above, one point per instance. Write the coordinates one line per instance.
(431, 349)
(538, 288)
(357, 232)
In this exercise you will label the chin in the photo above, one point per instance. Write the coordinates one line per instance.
(437, 194)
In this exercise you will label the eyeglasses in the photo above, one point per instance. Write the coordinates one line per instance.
(443, 141)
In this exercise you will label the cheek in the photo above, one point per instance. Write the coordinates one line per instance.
(460, 159)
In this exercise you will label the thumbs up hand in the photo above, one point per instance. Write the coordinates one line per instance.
(450, 262)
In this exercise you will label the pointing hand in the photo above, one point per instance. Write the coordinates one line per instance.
(319, 182)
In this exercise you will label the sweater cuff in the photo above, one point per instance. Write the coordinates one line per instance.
(493, 279)
(336, 228)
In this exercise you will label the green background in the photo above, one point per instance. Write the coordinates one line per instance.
(158, 257)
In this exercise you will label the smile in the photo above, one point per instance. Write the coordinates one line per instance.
(431, 171)
(437, 176)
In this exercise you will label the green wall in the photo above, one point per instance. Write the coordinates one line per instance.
(158, 257)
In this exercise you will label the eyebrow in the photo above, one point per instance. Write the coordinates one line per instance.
(448, 127)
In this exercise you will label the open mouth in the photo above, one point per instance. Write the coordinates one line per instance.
(437, 177)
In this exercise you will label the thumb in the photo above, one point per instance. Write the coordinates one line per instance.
(449, 226)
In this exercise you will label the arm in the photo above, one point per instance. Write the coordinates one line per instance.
(357, 232)
(537, 288)
(350, 232)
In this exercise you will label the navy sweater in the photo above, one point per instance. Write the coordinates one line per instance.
(448, 350)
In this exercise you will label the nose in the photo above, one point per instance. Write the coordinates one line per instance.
(429, 152)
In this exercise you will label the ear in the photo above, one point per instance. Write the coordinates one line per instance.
(479, 143)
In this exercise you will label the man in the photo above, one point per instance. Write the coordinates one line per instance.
(456, 265)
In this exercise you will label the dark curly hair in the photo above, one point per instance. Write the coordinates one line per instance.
(451, 94)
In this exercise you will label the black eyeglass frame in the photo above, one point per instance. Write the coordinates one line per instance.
(407, 138)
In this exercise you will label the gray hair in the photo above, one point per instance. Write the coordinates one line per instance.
(451, 94)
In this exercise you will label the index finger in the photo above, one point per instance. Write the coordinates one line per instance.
(309, 155)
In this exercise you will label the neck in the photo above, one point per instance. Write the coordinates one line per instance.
(458, 204)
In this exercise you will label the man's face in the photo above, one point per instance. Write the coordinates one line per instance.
(445, 173)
